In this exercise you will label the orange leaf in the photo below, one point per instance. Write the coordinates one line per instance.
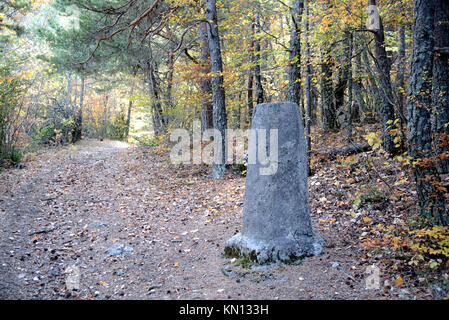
(398, 281)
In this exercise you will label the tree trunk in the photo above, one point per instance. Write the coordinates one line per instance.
(168, 96)
(257, 68)
(360, 104)
(314, 99)
(350, 87)
(218, 92)
(207, 108)
(440, 93)
(384, 79)
(128, 118)
(104, 120)
(69, 90)
(428, 183)
(77, 132)
(307, 84)
(294, 70)
(252, 59)
(157, 115)
(400, 78)
(373, 97)
(250, 94)
(342, 84)
(329, 114)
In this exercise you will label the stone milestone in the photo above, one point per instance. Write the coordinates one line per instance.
(276, 216)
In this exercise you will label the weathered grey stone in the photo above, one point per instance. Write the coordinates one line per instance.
(118, 249)
(276, 217)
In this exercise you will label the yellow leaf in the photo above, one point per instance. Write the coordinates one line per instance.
(367, 219)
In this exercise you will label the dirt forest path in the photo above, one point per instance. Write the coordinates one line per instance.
(137, 228)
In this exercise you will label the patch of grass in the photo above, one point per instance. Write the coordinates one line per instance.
(373, 195)
(243, 262)
(11, 158)
(370, 196)
(231, 252)
(294, 260)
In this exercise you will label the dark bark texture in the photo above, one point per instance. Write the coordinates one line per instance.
(329, 114)
(78, 129)
(430, 197)
(400, 78)
(252, 58)
(440, 90)
(257, 67)
(294, 70)
(207, 108)
(386, 112)
(158, 118)
(218, 91)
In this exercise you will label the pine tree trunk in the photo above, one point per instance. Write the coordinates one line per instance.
(361, 106)
(294, 70)
(69, 90)
(128, 118)
(329, 114)
(430, 196)
(250, 89)
(78, 128)
(218, 91)
(350, 91)
(343, 76)
(307, 84)
(373, 96)
(257, 68)
(440, 93)
(400, 78)
(207, 108)
(387, 106)
(157, 115)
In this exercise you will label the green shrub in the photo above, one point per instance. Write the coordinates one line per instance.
(146, 140)
(370, 195)
(57, 126)
(15, 156)
(11, 89)
(373, 195)
(117, 128)
(45, 135)
(10, 157)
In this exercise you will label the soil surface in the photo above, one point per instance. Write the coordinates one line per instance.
(105, 220)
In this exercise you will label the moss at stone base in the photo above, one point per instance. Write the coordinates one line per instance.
(245, 260)
(294, 260)
(233, 252)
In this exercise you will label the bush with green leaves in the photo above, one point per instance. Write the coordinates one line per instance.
(12, 86)
(57, 126)
(117, 127)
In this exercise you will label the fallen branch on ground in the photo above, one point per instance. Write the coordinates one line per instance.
(42, 231)
(346, 151)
